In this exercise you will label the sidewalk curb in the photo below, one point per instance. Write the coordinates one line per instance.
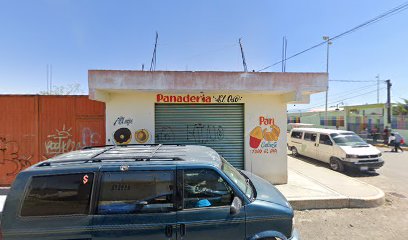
(386, 146)
(339, 202)
(336, 203)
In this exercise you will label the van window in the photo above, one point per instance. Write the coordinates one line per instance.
(297, 135)
(136, 192)
(325, 139)
(348, 139)
(310, 136)
(58, 195)
(205, 188)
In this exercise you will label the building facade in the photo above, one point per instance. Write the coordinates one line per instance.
(240, 115)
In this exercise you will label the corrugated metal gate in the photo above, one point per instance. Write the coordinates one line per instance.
(219, 126)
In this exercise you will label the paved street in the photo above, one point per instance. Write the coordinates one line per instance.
(389, 221)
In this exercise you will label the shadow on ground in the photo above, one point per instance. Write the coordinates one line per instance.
(347, 172)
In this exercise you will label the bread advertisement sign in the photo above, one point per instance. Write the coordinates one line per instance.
(263, 138)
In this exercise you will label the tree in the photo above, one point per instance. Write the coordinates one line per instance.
(69, 89)
(401, 108)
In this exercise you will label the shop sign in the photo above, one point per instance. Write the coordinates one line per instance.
(191, 98)
(263, 137)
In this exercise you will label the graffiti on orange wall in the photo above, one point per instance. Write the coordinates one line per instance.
(10, 159)
(62, 141)
(90, 137)
(263, 138)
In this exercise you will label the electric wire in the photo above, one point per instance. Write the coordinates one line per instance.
(355, 81)
(335, 96)
(380, 17)
(333, 102)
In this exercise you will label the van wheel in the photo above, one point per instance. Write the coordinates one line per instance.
(336, 165)
(295, 151)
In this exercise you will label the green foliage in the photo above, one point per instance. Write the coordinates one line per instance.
(401, 108)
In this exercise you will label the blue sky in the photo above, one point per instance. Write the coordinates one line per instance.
(75, 36)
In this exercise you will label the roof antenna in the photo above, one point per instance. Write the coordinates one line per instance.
(153, 62)
(243, 56)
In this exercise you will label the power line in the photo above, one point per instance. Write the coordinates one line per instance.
(336, 96)
(333, 102)
(338, 99)
(388, 13)
(352, 80)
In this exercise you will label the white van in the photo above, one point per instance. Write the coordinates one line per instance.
(339, 148)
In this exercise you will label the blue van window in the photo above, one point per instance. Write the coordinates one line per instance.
(205, 188)
(136, 192)
(58, 195)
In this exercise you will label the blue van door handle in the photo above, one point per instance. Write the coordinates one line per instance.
(169, 231)
(182, 229)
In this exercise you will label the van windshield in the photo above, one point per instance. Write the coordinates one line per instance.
(238, 178)
(348, 139)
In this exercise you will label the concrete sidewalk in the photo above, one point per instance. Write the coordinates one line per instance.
(313, 186)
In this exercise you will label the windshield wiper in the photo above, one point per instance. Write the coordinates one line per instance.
(248, 183)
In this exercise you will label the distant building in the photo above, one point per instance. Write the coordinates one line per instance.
(357, 118)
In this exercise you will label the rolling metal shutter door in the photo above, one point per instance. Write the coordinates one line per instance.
(219, 126)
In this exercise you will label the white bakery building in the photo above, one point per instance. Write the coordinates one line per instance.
(242, 115)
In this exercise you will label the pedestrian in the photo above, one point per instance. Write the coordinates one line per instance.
(391, 141)
(398, 141)
(386, 135)
(374, 134)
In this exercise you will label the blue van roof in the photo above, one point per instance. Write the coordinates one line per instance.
(158, 153)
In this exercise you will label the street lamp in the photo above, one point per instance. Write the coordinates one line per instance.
(327, 39)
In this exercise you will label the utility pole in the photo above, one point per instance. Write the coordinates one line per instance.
(388, 101)
(327, 38)
(378, 88)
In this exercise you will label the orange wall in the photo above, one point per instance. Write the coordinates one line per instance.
(34, 128)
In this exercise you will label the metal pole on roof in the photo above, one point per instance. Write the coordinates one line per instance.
(243, 56)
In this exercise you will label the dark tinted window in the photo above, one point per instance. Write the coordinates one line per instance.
(296, 135)
(58, 195)
(205, 188)
(136, 192)
(310, 137)
(325, 139)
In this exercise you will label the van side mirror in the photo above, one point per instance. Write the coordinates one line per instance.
(235, 206)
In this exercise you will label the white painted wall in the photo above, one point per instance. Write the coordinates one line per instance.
(272, 166)
(138, 107)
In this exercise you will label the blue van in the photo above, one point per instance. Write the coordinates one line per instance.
(144, 192)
